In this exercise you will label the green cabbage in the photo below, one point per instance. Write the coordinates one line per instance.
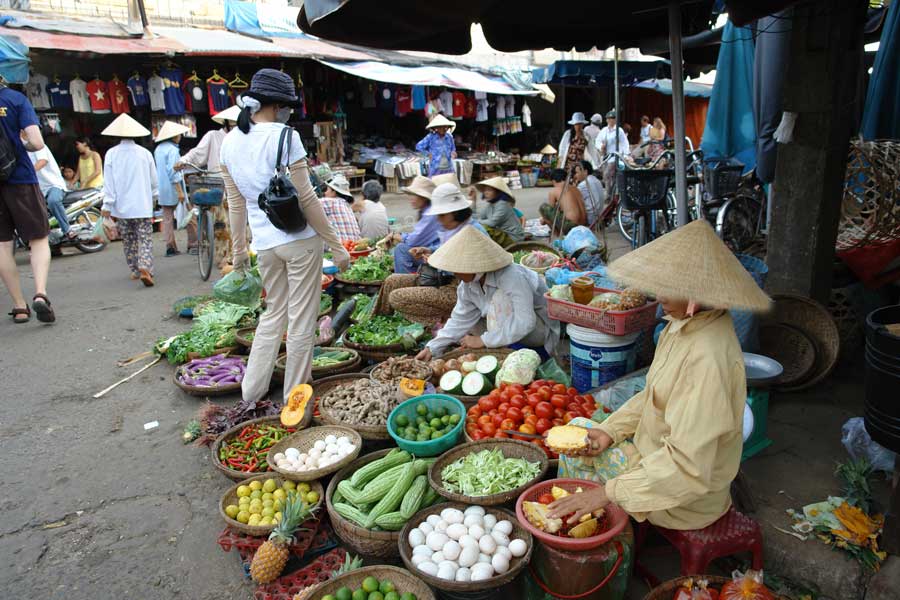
(561, 292)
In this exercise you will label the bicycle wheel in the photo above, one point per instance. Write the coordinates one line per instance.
(626, 222)
(739, 223)
(206, 243)
(84, 223)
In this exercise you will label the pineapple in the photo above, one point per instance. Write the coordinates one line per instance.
(536, 513)
(269, 560)
(350, 564)
(565, 439)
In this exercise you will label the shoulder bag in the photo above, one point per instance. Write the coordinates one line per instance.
(279, 200)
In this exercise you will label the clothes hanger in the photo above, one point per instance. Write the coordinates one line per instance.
(194, 76)
(237, 82)
(216, 78)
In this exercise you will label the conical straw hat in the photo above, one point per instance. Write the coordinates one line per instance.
(446, 178)
(470, 251)
(421, 186)
(548, 149)
(170, 130)
(441, 121)
(498, 183)
(229, 114)
(691, 263)
(126, 127)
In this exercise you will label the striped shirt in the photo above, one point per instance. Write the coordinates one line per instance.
(342, 218)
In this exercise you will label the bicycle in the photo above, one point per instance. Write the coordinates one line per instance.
(206, 192)
(734, 203)
(645, 193)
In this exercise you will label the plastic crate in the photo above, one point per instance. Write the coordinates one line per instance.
(317, 571)
(644, 189)
(612, 322)
(721, 178)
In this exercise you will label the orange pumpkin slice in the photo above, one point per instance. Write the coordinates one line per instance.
(293, 411)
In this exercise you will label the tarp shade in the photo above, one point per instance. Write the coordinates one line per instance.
(94, 44)
(881, 115)
(592, 72)
(434, 76)
(664, 86)
(640, 101)
(730, 130)
(770, 61)
(13, 60)
(261, 20)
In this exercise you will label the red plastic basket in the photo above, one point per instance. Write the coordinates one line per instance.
(288, 586)
(354, 254)
(611, 322)
(326, 281)
(616, 518)
(247, 545)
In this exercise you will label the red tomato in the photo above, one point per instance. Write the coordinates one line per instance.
(558, 400)
(557, 422)
(568, 417)
(572, 392)
(588, 397)
(484, 420)
(531, 420)
(518, 401)
(489, 429)
(515, 414)
(500, 434)
(471, 429)
(474, 412)
(545, 498)
(544, 410)
(526, 428)
(558, 413)
(538, 443)
(497, 419)
(606, 410)
(543, 425)
(559, 389)
(533, 400)
(478, 435)
(540, 383)
(508, 424)
(545, 393)
(517, 388)
(527, 410)
(573, 407)
(588, 408)
(485, 403)
(504, 406)
(504, 396)
(495, 394)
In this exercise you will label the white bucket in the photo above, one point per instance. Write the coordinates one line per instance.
(598, 358)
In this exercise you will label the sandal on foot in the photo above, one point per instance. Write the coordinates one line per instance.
(146, 278)
(18, 312)
(42, 309)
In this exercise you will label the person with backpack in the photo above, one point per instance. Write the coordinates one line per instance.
(23, 209)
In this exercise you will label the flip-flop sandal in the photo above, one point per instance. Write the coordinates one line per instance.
(43, 310)
(16, 312)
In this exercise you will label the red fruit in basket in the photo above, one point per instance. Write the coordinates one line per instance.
(572, 392)
(559, 400)
(508, 424)
(515, 414)
(531, 420)
(558, 413)
(543, 425)
(526, 428)
(546, 498)
(518, 401)
(470, 430)
(501, 434)
(485, 403)
(559, 388)
(504, 396)
(497, 419)
(478, 435)
(489, 429)
(474, 412)
(484, 419)
(527, 411)
(557, 421)
(568, 416)
(517, 388)
(545, 393)
(543, 410)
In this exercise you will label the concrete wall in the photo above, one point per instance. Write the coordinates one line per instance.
(198, 12)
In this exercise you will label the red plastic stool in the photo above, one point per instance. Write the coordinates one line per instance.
(732, 533)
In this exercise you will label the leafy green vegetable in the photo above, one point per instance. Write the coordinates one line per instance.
(363, 304)
(488, 472)
(189, 302)
(202, 338)
(219, 311)
(370, 268)
(380, 330)
(325, 303)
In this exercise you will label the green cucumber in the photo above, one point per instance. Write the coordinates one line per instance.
(475, 384)
(488, 366)
(451, 382)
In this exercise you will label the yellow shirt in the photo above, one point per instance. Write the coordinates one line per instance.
(89, 177)
(687, 426)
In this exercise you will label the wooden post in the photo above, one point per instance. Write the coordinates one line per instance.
(678, 111)
(821, 87)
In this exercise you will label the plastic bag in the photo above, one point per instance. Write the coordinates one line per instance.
(183, 215)
(578, 238)
(552, 370)
(620, 391)
(859, 444)
(239, 287)
(98, 233)
(563, 276)
(410, 334)
(746, 586)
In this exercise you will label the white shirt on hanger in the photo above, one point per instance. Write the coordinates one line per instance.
(501, 107)
(36, 89)
(155, 87)
(447, 103)
(481, 111)
(129, 181)
(81, 102)
(526, 114)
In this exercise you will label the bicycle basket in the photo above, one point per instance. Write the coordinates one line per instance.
(721, 177)
(644, 188)
(207, 197)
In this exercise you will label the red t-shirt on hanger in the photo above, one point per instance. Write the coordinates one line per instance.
(99, 94)
(118, 96)
(459, 105)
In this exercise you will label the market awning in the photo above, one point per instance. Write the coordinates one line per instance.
(450, 77)
(592, 72)
(217, 42)
(664, 86)
(13, 60)
(67, 42)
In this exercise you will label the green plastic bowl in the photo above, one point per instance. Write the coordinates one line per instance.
(432, 401)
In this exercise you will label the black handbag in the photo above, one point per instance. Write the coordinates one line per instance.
(279, 200)
(428, 276)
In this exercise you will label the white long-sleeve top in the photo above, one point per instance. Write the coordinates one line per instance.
(606, 142)
(206, 153)
(511, 301)
(129, 181)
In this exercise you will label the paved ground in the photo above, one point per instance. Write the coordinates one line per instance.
(94, 506)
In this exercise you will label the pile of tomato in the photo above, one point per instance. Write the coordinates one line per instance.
(527, 409)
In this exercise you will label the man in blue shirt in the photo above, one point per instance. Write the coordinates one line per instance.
(23, 210)
(171, 186)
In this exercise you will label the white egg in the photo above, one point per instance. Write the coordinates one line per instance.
(504, 526)
(503, 550)
(463, 574)
(467, 540)
(303, 456)
(279, 457)
(456, 531)
(422, 550)
(487, 544)
(475, 510)
(438, 557)
(319, 445)
(425, 527)
(428, 567)
(489, 522)
(468, 556)
(471, 520)
(418, 559)
(481, 571)
(500, 563)
(476, 531)
(433, 520)
(292, 453)
(451, 550)
(344, 441)
(446, 571)
(331, 439)
(416, 537)
(518, 547)
(484, 558)
(331, 448)
(442, 526)
(315, 453)
(501, 538)
(436, 540)
(451, 563)
(451, 515)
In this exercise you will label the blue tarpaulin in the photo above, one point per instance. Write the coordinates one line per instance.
(664, 86)
(592, 72)
(262, 20)
(13, 60)
(881, 115)
(730, 130)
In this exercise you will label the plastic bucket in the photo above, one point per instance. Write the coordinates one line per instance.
(882, 379)
(598, 358)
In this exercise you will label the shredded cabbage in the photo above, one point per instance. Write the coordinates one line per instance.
(488, 472)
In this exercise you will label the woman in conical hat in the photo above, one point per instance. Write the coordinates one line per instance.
(686, 425)
(509, 297)
(439, 145)
(498, 215)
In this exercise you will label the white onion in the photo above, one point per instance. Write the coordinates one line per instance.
(416, 537)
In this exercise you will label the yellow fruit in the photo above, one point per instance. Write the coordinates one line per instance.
(303, 487)
(256, 509)
(279, 495)
(268, 503)
(565, 438)
(255, 485)
(312, 497)
(269, 485)
(243, 490)
(277, 516)
(536, 514)
(269, 560)
(288, 485)
(254, 520)
(243, 517)
(232, 510)
(266, 521)
(557, 492)
(278, 505)
(268, 496)
(256, 495)
(243, 500)
(268, 512)
(584, 529)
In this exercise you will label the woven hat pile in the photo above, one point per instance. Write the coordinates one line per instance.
(125, 127)
(470, 251)
(691, 263)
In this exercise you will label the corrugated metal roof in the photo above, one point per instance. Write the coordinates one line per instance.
(95, 44)
(218, 42)
(312, 48)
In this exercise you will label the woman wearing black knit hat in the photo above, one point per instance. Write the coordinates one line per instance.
(290, 257)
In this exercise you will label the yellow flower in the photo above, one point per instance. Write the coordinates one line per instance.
(858, 526)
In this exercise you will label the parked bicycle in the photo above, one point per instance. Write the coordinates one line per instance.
(734, 203)
(205, 192)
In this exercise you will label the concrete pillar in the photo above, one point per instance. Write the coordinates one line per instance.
(821, 86)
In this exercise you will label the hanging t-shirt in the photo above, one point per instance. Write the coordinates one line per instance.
(471, 108)
(446, 98)
(418, 97)
(118, 96)
(81, 102)
(59, 94)
(459, 105)
(173, 97)
(385, 97)
(36, 90)
(137, 85)
(510, 106)
(99, 95)
(480, 95)
(367, 95)
(481, 111)
(526, 114)
(195, 96)
(155, 86)
(501, 107)
(404, 101)
(219, 99)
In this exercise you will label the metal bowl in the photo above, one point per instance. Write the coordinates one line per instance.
(761, 370)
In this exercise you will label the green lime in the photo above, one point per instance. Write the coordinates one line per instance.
(370, 584)
(343, 594)
(411, 432)
(391, 596)
(360, 594)
(386, 586)
(402, 420)
(445, 419)
(330, 597)
(437, 434)
(376, 595)
(422, 437)
(454, 419)
(435, 423)
(420, 420)
(421, 410)
(440, 411)
(406, 596)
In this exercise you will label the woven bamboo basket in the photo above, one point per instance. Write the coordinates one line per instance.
(233, 432)
(348, 366)
(371, 285)
(222, 390)
(224, 350)
(243, 341)
(382, 544)
(500, 353)
(402, 579)
(230, 497)
(378, 374)
(323, 386)
(304, 440)
(552, 463)
(515, 565)
(509, 448)
(376, 353)
(529, 246)
(792, 348)
(666, 590)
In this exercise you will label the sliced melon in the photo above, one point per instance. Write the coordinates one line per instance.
(451, 382)
(488, 366)
(295, 408)
(469, 367)
(475, 384)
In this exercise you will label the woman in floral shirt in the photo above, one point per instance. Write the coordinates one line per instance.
(439, 145)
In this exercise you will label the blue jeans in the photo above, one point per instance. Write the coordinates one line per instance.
(54, 199)
(403, 262)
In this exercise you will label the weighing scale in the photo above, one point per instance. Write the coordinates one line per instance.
(761, 372)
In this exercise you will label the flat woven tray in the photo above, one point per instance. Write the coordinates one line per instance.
(230, 497)
(341, 367)
(304, 440)
(222, 390)
(816, 322)
(792, 348)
